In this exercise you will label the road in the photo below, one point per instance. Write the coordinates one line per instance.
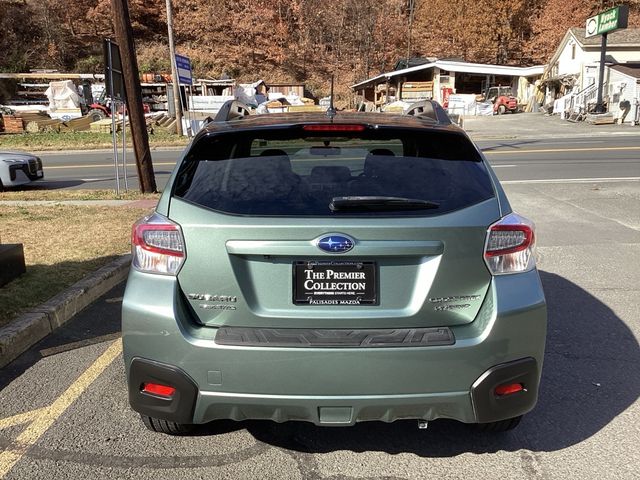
(562, 160)
(515, 161)
(95, 170)
(64, 412)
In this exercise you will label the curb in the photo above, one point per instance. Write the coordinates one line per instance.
(142, 203)
(31, 327)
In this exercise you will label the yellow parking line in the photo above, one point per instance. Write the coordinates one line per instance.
(48, 415)
(21, 418)
(102, 166)
(557, 150)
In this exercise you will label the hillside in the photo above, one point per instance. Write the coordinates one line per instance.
(304, 40)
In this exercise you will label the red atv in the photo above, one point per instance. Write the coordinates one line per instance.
(502, 98)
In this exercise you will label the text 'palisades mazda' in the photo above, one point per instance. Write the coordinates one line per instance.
(333, 269)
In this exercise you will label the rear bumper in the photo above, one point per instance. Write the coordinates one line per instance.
(479, 405)
(335, 386)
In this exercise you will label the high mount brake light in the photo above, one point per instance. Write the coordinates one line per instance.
(333, 127)
(157, 245)
(510, 245)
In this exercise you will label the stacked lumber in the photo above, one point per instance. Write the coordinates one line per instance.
(601, 118)
(306, 108)
(79, 124)
(101, 126)
(13, 124)
(162, 120)
(26, 121)
(391, 108)
(39, 122)
(28, 117)
(412, 91)
(417, 86)
(44, 124)
(104, 126)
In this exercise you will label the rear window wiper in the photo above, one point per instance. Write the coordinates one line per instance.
(377, 203)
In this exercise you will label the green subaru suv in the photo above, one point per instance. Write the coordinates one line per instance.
(333, 269)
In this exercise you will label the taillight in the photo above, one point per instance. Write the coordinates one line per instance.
(510, 245)
(157, 245)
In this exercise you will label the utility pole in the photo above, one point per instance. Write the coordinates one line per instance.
(139, 135)
(174, 70)
(412, 7)
(603, 57)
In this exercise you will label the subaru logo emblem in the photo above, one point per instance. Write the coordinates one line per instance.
(335, 243)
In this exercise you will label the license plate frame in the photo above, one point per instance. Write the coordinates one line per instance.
(361, 283)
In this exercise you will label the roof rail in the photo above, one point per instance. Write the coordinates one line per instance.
(232, 110)
(429, 110)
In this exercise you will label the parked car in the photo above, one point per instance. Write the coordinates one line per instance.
(19, 168)
(333, 269)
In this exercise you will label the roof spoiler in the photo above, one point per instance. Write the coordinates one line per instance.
(232, 110)
(429, 110)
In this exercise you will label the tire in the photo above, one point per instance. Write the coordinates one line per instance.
(501, 109)
(165, 426)
(499, 426)
(96, 114)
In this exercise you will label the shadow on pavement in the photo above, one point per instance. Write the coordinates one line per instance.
(587, 382)
(97, 323)
(53, 185)
(510, 145)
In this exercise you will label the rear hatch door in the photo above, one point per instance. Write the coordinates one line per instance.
(254, 211)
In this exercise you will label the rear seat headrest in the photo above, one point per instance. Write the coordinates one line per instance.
(329, 174)
(385, 152)
(273, 152)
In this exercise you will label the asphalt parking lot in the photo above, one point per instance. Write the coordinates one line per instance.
(64, 411)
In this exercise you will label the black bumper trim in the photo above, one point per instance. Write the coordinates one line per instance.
(179, 408)
(489, 407)
(336, 338)
(30, 170)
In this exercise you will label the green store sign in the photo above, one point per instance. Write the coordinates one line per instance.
(608, 21)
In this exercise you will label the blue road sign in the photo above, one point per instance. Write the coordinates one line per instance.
(183, 65)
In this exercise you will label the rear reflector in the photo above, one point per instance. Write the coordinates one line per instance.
(510, 245)
(158, 245)
(159, 390)
(508, 389)
(334, 127)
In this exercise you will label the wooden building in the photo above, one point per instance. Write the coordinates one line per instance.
(439, 78)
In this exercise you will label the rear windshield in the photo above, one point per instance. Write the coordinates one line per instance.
(291, 172)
